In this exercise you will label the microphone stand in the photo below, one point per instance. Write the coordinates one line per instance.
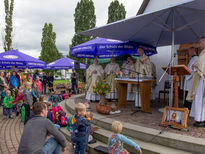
(138, 93)
(169, 67)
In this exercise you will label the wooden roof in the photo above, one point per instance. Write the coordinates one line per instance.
(143, 7)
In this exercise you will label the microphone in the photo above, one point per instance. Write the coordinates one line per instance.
(134, 71)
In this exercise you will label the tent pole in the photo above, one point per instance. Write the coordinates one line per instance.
(172, 63)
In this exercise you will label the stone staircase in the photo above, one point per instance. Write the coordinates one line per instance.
(150, 140)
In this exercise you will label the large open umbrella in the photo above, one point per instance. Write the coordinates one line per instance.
(106, 48)
(64, 63)
(14, 58)
(182, 23)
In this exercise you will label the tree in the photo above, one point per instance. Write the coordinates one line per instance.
(8, 24)
(116, 11)
(49, 52)
(85, 19)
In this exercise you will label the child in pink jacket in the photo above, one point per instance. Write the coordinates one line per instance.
(38, 83)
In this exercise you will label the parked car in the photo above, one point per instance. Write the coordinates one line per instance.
(67, 77)
(57, 77)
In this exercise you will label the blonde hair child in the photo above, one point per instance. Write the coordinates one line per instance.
(116, 140)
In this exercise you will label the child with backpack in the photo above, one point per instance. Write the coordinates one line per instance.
(28, 101)
(35, 93)
(3, 95)
(7, 106)
(116, 140)
(80, 129)
(18, 100)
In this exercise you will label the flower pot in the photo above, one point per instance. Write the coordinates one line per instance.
(102, 107)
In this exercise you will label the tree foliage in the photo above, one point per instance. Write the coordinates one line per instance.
(8, 24)
(85, 19)
(49, 52)
(116, 11)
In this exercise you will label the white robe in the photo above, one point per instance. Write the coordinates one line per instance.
(91, 79)
(145, 70)
(198, 105)
(129, 70)
(188, 78)
(110, 77)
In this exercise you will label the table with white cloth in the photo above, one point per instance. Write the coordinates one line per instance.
(145, 86)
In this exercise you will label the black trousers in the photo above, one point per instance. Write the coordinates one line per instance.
(186, 103)
(27, 112)
(74, 87)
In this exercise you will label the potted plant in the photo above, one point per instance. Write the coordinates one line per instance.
(102, 88)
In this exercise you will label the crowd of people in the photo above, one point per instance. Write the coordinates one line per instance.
(27, 92)
(20, 88)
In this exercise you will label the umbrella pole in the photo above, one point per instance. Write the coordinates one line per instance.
(171, 77)
(172, 63)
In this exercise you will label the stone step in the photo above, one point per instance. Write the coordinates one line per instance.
(147, 147)
(90, 148)
(144, 134)
(101, 136)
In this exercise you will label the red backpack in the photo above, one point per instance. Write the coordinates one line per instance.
(62, 119)
(55, 113)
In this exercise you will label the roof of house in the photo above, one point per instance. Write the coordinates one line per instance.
(143, 7)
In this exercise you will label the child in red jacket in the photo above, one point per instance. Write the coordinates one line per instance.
(19, 100)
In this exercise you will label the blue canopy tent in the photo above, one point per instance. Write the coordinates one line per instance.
(63, 63)
(19, 60)
(107, 48)
(178, 24)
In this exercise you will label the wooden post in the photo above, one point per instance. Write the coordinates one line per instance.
(176, 95)
(122, 94)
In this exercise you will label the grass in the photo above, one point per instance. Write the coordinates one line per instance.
(57, 82)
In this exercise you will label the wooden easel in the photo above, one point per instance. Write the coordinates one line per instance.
(176, 71)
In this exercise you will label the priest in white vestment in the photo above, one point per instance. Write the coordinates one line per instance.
(197, 88)
(94, 73)
(143, 69)
(110, 75)
(188, 78)
(130, 71)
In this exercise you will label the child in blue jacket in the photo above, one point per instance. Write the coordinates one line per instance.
(80, 129)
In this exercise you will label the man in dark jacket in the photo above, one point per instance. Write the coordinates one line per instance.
(36, 131)
(74, 81)
(44, 83)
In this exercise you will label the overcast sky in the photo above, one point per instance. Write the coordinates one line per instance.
(30, 15)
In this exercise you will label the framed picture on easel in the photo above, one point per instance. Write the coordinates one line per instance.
(175, 117)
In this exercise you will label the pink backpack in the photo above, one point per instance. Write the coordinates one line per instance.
(62, 119)
(55, 111)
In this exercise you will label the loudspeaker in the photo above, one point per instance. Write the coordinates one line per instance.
(77, 65)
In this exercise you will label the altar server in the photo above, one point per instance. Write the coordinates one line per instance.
(130, 72)
(110, 74)
(197, 88)
(94, 73)
(144, 69)
(188, 78)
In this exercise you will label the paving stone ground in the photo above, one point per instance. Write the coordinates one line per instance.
(10, 134)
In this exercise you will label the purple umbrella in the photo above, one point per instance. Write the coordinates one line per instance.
(19, 60)
(106, 48)
(64, 63)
